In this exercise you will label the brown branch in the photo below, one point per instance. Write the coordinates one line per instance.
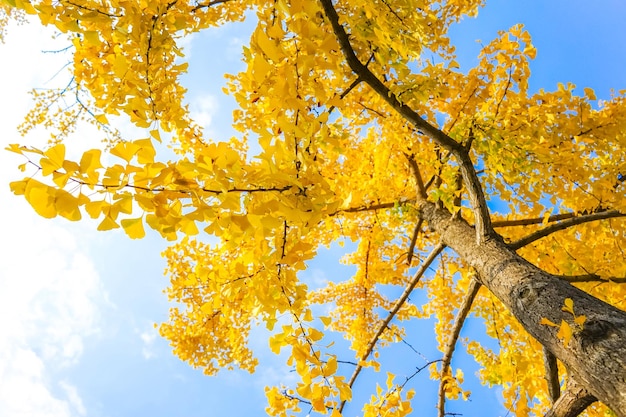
(574, 400)
(373, 207)
(534, 220)
(421, 189)
(552, 375)
(89, 9)
(209, 4)
(184, 191)
(421, 192)
(346, 92)
(399, 303)
(418, 228)
(548, 230)
(470, 178)
(464, 310)
(187, 191)
(591, 278)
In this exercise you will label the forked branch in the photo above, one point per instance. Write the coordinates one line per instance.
(464, 310)
(461, 153)
(392, 313)
(548, 230)
(574, 400)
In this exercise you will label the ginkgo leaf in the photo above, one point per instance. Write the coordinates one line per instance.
(108, 223)
(41, 197)
(565, 332)
(67, 205)
(90, 161)
(134, 227)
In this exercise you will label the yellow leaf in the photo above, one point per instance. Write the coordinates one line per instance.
(125, 150)
(91, 36)
(146, 152)
(134, 228)
(67, 205)
(345, 392)
(565, 332)
(390, 378)
(14, 147)
(56, 154)
(120, 65)
(41, 198)
(94, 208)
(315, 334)
(331, 366)
(101, 118)
(188, 227)
(568, 306)
(589, 93)
(61, 179)
(269, 48)
(548, 322)
(54, 160)
(18, 187)
(207, 308)
(277, 342)
(156, 135)
(107, 224)
(90, 161)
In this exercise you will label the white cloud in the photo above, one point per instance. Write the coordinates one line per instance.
(148, 337)
(73, 398)
(48, 284)
(203, 109)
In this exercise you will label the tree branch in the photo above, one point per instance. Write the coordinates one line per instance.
(418, 228)
(591, 278)
(552, 375)
(209, 4)
(548, 230)
(421, 189)
(470, 178)
(399, 303)
(574, 400)
(534, 220)
(379, 206)
(464, 310)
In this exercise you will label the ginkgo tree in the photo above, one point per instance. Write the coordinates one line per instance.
(356, 124)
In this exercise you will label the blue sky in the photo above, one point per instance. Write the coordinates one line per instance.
(77, 307)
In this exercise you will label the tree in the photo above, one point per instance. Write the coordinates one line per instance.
(356, 124)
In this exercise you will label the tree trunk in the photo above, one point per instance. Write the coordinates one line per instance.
(595, 356)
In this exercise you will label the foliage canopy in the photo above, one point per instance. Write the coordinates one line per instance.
(355, 120)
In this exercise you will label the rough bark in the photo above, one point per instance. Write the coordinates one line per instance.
(552, 375)
(595, 356)
(574, 400)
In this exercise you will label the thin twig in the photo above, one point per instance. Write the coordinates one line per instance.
(534, 220)
(418, 228)
(399, 303)
(470, 178)
(591, 278)
(209, 4)
(464, 310)
(421, 189)
(372, 207)
(548, 230)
